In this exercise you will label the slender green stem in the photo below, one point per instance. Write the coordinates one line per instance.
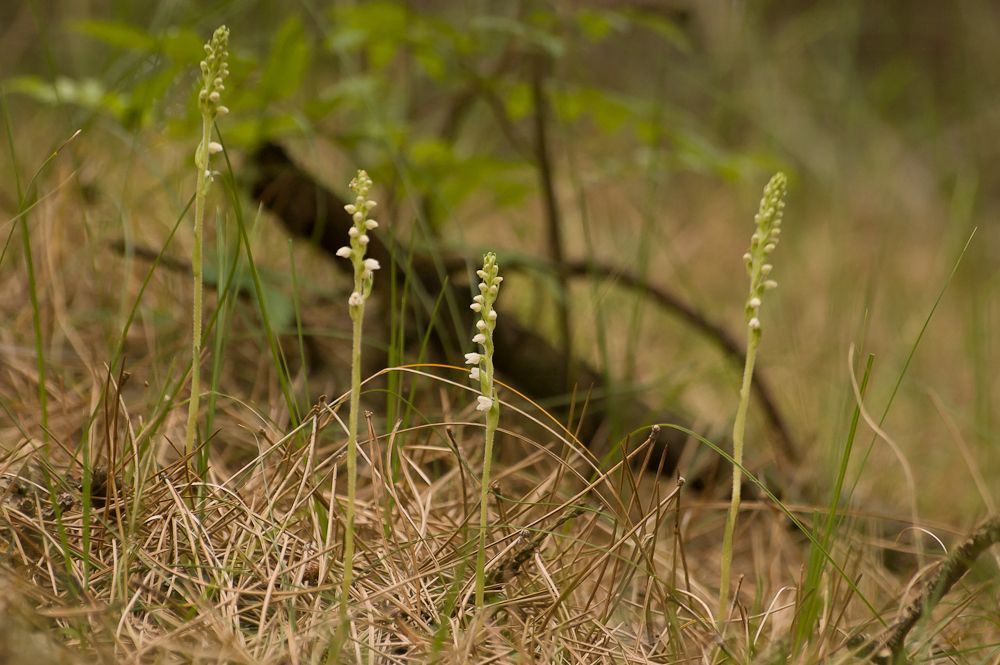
(357, 315)
(492, 421)
(197, 274)
(762, 244)
(739, 429)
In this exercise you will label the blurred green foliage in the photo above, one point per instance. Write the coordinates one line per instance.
(377, 76)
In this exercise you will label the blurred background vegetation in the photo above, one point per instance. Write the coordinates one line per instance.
(664, 119)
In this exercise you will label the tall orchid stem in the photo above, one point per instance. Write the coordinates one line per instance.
(739, 429)
(197, 275)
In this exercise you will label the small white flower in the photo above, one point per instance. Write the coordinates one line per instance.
(480, 325)
(747, 257)
(214, 97)
(357, 217)
(479, 338)
(214, 148)
(754, 323)
(370, 204)
(482, 274)
(485, 403)
(492, 316)
(474, 374)
(770, 284)
(476, 307)
(353, 232)
(350, 208)
(222, 110)
(766, 269)
(472, 358)
(479, 299)
(372, 265)
(344, 252)
(363, 239)
(371, 224)
(356, 300)
(769, 247)
(755, 302)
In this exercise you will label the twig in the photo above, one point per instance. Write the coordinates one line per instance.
(888, 648)
(689, 314)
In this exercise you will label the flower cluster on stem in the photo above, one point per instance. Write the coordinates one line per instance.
(762, 243)
(482, 371)
(364, 275)
(364, 269)
(214, 70)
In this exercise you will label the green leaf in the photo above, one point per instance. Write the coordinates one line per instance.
(86, 93)
(182, 46)
(517, 101)
(596, 24)
(663, 27)
(291, 54)
(119, 35)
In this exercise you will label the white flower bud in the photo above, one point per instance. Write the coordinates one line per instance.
(754, 323)
(485, 403)
(353, 232)
(370, 204)
(214, 97)
(479, 299)
(472, 358)
(480, 338)
(371, 224)
(480, 325)
(357, 217)
(476, 307)
(372, 264)
(474, 374)
(770, 284)
(222, 110)
(214, 148)
(766, 269)
(356, 300)
(754, 302)
(344, 252)
(492, 316)
(363, 239)
(350, 208)
(482, 274)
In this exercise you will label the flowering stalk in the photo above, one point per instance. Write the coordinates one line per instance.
(214, 70)
(762, 242)
(487, 401)
(364, 273)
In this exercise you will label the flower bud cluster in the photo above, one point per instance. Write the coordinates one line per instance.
(482, 304)
(762, 244)
(214, 70)
(364, 269)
